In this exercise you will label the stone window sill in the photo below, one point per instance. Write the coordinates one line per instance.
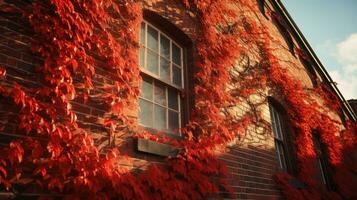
(155, 148)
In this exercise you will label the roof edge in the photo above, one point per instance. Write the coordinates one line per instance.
(321, 69)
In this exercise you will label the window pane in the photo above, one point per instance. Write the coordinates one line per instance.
(152, 38)
(173, 99)
(152, 62)
(146, 89)
(165, 69)
(274, 123)
(173, 120)
(278, 125)
(280, 154)
(142, 57)
(322, 171)
(176, 54)
(145, 114)
(160, 94)
(176, 76)
(160, 118)
(164, 47)
(142, 33)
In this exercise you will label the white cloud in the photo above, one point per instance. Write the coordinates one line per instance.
(347, 49)
(327, 47)
(346, 83)
(346, 76)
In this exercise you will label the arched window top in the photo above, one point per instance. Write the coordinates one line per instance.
(261, 5)
(304, 59)
(277, 105)
(278, 21)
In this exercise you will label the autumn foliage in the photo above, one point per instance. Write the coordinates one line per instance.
(57, 156)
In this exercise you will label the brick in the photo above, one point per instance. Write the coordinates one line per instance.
(251, 164)
(3, 59)
(81, 108)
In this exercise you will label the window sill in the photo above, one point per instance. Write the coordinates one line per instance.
(155, 148)
(170, 134)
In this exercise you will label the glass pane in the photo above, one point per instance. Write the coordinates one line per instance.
(282, 156)
(173, 99)
(322, 171)
(160, 94)
(142, 33)
(152, 62)
(176, 76)
(160, 118)
(164, 47)
(176, 54)
(142, 57)
(173, 120)
(145, 113)
(273, 122)
(152, 39)
(165, 69)
(146, 89)
(278, 153)
(278, 125)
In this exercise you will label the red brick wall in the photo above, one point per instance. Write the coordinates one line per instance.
(251, 160)
(16, 57)
(251, 171)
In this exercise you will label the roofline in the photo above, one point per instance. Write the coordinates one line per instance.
(321, 69)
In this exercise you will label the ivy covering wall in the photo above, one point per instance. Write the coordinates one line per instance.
(58, 156)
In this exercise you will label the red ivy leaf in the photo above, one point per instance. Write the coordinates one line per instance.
(74, 65)
(2, 72)
(16, 152)
(41, 171)
(3, 171)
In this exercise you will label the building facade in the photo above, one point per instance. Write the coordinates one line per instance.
(167, 55)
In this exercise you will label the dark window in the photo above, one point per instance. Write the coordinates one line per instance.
(308, 66)
(284, 146)
(277, 126)
(277, 20)
(261, 6)
(322, 162)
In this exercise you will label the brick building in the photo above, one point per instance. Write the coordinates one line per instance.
(167, 38)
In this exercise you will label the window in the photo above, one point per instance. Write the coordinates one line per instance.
(284, 146)
(322, 162)
(277, 126)
(261, 4)
(308, 66)
(278, 21)
(161, 64)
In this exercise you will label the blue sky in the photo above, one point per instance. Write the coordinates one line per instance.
(330, 27)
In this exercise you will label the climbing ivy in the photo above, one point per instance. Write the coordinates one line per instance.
(58, 156)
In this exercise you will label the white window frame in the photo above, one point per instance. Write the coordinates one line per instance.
(155, 78)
